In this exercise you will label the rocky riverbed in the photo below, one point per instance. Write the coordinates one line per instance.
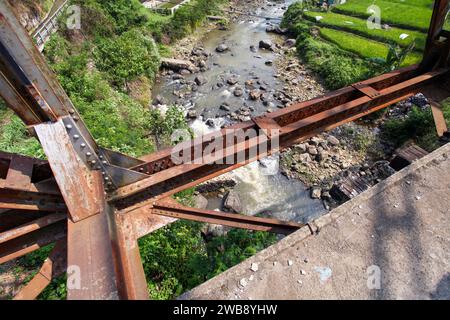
(244, 65)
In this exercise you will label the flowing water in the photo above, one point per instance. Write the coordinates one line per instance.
(270, 194)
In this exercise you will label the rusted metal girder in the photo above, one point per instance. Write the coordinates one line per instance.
(295, 123)
(170, 208)
(54, 266)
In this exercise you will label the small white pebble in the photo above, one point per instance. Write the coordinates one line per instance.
(299, 281)
(290, 263)
(395, 205)
(306, 260)
(254, 267)
(360, 206)
(243, 282)
(275, 263)
(417, 197)
(251, 278)
(302, 272)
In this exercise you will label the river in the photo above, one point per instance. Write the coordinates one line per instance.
(271, 194)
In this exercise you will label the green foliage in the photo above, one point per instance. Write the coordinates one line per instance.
(127, 57)
(359, 26)
(370, 49)
(188, 17)
(397, 56)
(419, 126)
(164, 125)
(177, 259)
(292, 16)
(125, 13)
(337, 68)
(15, 138)
(227, 251)
(173, 259)
(406, 15)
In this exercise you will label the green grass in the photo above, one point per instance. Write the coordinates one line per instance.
(359, 26)
(362, 46)
(399, 14)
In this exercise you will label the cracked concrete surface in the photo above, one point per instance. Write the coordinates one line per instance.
(401, 228)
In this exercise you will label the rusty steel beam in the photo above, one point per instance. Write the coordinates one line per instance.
(91, 271)
(32, 241)
(310, 118)
(31, 227)
(131, 281)
(25, 200)
(170, 208)
(77, 183)
(54, 266)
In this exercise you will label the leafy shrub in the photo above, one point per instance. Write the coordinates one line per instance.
(419, 126)
(127, 57)
(337, 68)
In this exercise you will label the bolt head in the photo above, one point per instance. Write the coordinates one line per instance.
(83, 145)
(76, 136)
(69, 126)
(88, 154)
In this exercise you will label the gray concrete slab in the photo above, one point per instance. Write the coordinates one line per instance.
(401, 228)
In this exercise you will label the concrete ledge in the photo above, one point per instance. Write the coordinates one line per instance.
(339, 223)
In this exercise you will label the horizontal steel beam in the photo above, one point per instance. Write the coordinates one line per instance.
(296, 123)
(170, 208)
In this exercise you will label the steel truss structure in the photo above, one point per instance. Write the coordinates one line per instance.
(95, 203)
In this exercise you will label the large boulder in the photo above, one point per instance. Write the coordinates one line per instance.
(177, 64)
(233, 202)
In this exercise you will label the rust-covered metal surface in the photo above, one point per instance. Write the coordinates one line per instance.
(96, 203)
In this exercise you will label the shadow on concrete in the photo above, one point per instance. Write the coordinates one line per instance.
(442, 291)
(388, 221)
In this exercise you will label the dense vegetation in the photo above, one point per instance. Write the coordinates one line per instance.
(107, 69)
(342, 49)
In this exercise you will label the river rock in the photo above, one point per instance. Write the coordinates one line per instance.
(255, 94)
(238, 92)
(177, 64)
(253, 49)
(305, 158)
(200, 202)
(184, 72)
(233, 202)
(290, 43)
(232, 80)
(312, 151)
(316, 193)
(200, 80)
(266, 44)
(159, 100)
(222, 48)
(225, 107)
(333, 140)
(192, 114)
(276, 29)
(268, 63)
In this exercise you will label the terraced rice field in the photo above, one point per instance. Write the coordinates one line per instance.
(402, 22)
